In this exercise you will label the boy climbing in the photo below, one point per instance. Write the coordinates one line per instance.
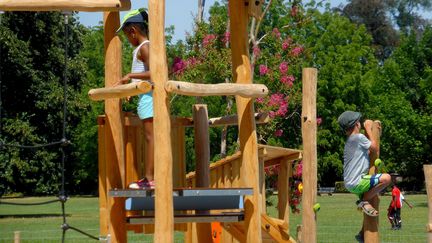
(356, 162)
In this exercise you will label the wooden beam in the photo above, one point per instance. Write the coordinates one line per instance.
(192, 89)
(164, 213)
(236, 230)
(274, 228)
(59, 5)
(285, 170)
(241, 68)
(114, 123)
(371, 224)
(260, 118)
(309, 135)
(120, 91)
(428, 178)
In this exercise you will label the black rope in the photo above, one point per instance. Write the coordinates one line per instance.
(62, 198)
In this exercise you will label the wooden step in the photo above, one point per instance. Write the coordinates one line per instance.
(187, 218)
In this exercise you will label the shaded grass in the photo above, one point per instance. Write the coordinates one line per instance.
(337, 221)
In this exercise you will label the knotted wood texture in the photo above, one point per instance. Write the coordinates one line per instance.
(59, 5)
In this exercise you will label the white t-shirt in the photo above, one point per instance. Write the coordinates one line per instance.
(356, 159)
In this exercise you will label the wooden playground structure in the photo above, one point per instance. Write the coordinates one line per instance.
(221, 202)
(224, 202)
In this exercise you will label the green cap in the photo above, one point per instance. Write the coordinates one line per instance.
(134, 16)
(348, 119)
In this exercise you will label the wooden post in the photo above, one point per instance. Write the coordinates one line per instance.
(114, 124)
(371, 224)
(202, 145)
(164, 213)
(428, 177)
(285, 169)
(309, 130)
(202, 159)
(241, 67)
(17, 236)
(103, 199)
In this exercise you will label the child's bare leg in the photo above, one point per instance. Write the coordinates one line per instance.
(149, 148)
(384, 181)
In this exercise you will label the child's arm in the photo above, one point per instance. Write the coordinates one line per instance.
(368, 129)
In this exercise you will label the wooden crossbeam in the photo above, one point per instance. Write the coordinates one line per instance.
(59, 5)
(120, 91)
(275, 228)
(222, 89)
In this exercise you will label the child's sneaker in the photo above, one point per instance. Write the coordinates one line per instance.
(142, 184)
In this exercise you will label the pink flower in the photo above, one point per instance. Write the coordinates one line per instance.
(319, 120)
(208, 39)
(283, 67)
(276, 99)
(226, 37)
(288, 80)
(256, 50)
(283, 109)
(260, 100)
(276, 32)
(263, 69)
(296, 51)
(278, 132)
(272, 114)
(285, 45)
(178, 65)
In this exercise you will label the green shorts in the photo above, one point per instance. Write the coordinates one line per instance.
(365, 184)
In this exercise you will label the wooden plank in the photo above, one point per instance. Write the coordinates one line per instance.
(283, 189)
(262, 186)
(371, 224)
(428, 177)
(164, 219)
(309, 135)
(120, 91)
(272, 152)
(103, 190)
(260, 118)
(115, 155)
(59, 5)
(226, 236)
(202, 145)
(222, 89)
(247, 131)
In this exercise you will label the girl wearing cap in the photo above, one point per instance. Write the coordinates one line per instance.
(356, 162)
(135, 27)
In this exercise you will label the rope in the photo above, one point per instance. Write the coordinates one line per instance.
(62, 198)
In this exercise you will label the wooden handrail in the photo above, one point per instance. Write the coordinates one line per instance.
(193, 89)
(59, 5)
(120, 91)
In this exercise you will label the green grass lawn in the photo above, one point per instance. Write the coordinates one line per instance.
(337, 221)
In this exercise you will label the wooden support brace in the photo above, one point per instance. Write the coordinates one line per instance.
(59, 5)
(236, 230)
(192, 89)
(275, 228)
(120, 91)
